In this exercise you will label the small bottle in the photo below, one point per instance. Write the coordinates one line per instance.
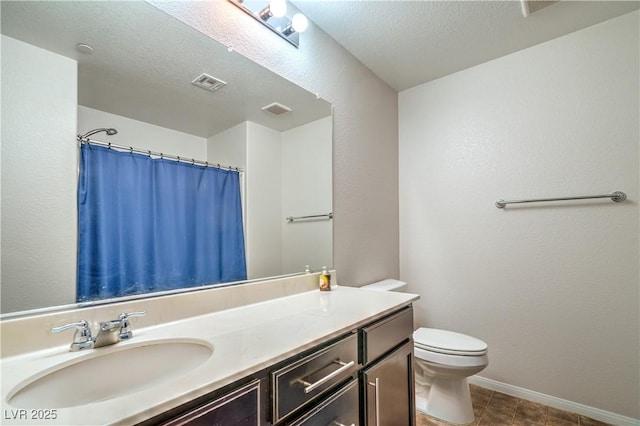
(307, 270)
(325, 280)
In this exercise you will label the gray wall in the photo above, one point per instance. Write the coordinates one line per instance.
(365, 156)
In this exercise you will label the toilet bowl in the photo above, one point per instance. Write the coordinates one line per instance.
(443, 361)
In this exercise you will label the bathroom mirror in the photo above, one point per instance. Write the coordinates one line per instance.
(70, 67)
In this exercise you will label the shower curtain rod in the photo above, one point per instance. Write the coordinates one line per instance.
(158, 154)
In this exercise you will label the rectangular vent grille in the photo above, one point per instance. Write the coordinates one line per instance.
(535, 6)
(532, 6)
(276, 108)
(207, 82)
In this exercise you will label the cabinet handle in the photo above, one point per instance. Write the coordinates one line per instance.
(376, 385)
(310, 387)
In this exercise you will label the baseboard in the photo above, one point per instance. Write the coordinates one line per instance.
(552, 401)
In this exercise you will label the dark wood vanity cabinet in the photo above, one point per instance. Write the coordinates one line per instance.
(238, 408)
(382, 391)
(340, 408)
(299, 383)
(364, 377)
(387, 384)
(388, 390)
(241, 404)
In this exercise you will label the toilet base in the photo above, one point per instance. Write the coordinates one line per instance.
(447, 399)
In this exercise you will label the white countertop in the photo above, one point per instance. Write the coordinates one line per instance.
(245, 340)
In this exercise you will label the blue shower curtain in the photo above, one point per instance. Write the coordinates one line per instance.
(147, 225)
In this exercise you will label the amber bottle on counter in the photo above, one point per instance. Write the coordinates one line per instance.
(325, 280)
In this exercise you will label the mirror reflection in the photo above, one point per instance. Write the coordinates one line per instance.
(71, 67)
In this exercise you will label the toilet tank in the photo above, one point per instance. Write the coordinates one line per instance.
(387, 285)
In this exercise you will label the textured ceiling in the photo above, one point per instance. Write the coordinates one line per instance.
(144, 62)
(407, 43)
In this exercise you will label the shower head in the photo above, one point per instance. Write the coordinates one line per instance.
(109, 132)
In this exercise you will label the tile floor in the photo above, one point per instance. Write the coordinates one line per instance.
(497, 409)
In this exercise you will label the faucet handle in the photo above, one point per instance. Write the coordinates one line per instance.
(81, 337)
(82, 334)
(125, 327)
(124, 316)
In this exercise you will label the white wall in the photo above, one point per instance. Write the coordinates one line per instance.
(553, 289)
(39, 100)
(306, 190)
(229, 147)
(141, 135)
(264, 202)
(365, 130)
(284, 173)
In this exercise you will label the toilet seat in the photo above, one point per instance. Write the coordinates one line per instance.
(448, 342)
(450, 361)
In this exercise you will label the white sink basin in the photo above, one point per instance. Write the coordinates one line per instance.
(110, 372)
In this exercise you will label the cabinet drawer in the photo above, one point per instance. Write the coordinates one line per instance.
(385, 334)
(300, 382)
(340, 408)
(240, 407)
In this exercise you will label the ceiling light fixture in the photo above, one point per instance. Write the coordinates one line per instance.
(298, 24)
(275, 8)
(273, 15)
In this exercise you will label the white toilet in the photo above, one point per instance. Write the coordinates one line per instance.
(443, 361)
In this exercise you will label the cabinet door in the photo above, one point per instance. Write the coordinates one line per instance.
(238, 408)
(340, 409)
(389, 389)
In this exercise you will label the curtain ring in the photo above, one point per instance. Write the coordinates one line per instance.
(193, 161)
(130, 150)
(178, 158)
(218, 165)
(206, 163)
(161, 156)
(109, 146)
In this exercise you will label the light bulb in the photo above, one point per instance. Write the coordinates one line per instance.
(278, 7)
(299, 22)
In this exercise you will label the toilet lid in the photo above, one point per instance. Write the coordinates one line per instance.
(448, 342)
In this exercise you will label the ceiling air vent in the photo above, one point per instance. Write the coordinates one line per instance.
(276, 108)
(532, 6)
(207, 82)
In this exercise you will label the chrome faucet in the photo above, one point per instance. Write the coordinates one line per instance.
(82, 336)
(109, 332)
